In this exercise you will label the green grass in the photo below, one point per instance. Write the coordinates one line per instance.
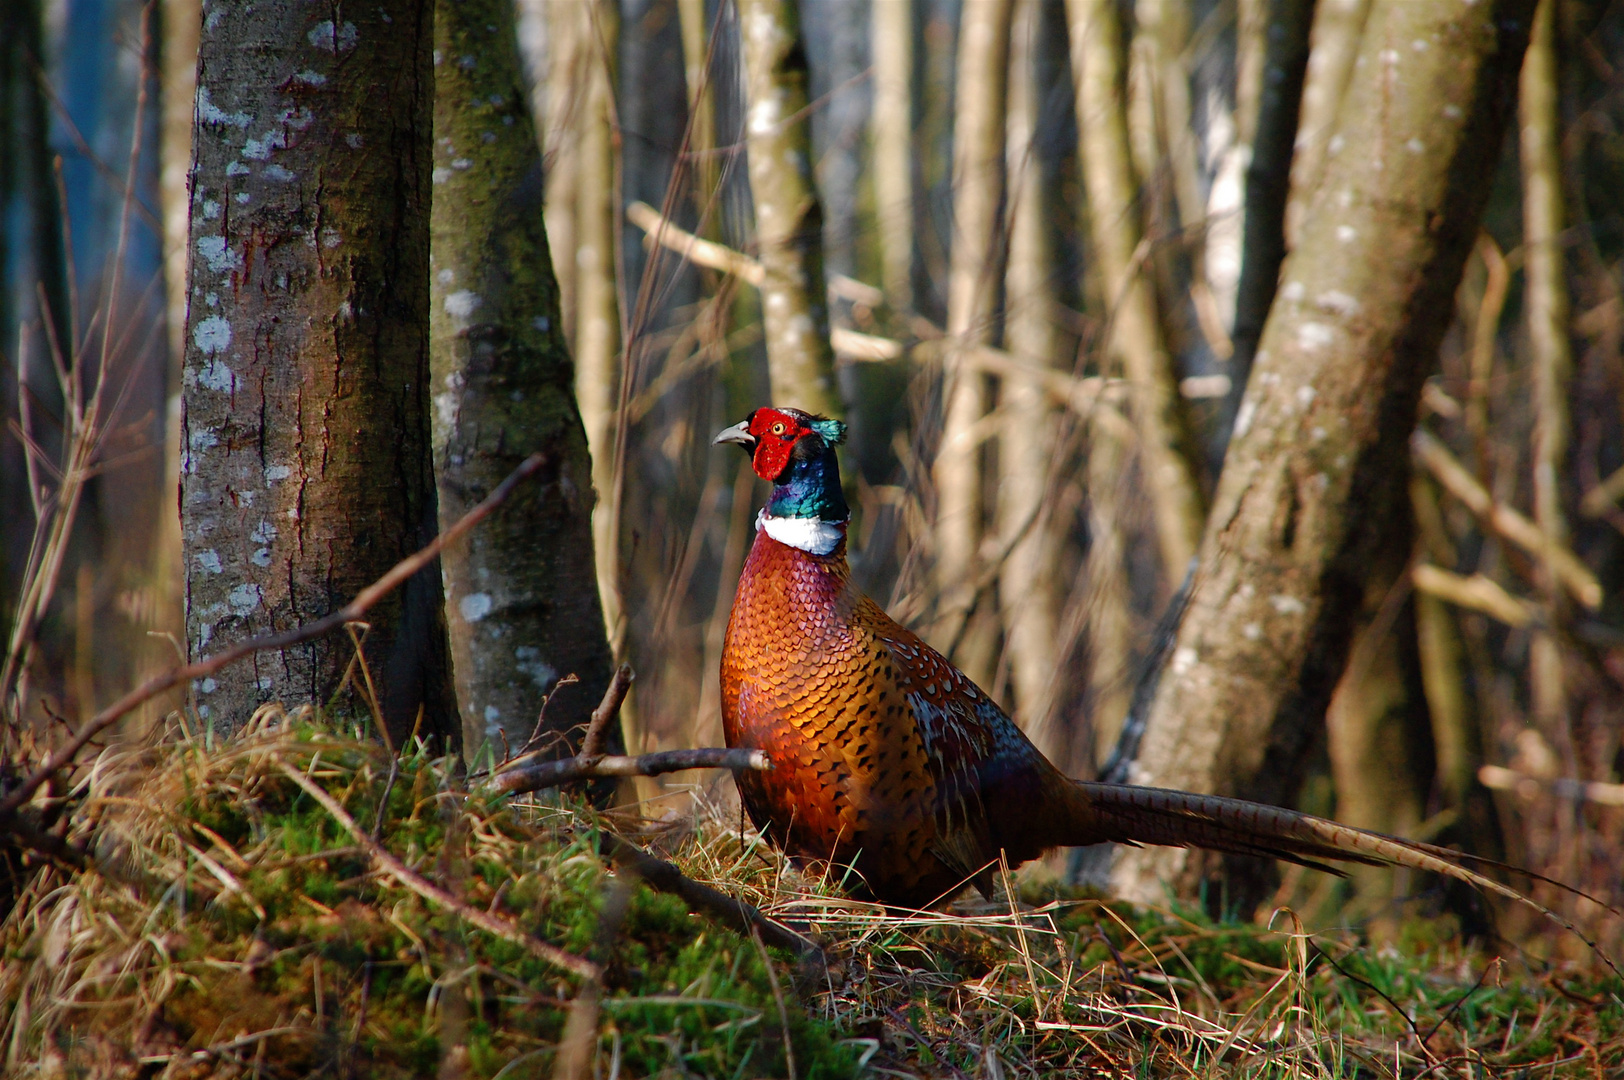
(238, 929)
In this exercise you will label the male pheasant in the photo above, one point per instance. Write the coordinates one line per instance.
(887, 759)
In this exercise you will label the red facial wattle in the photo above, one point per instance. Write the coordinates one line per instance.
(776, 434)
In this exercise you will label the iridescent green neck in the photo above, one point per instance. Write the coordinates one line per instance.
(810, 488)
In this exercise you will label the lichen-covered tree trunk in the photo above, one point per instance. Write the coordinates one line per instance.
(1318, 455)
(975, 266)
(1166, 443)
(306, 400)
(1333, 46)
(789, 218)
(1027, 583)
(521, 591)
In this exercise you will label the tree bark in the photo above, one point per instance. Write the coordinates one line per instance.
(1167, 444)
(1319, 445)
(522, 591)
(1334, 43)
(1270, 135)
(568, 56)
(789, 218)
(1027, 583)
(1550, 352)
(891, 157)
(306, 400)
(972, 297)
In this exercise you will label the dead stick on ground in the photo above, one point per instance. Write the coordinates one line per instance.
(485, 920)
(608, 709)
(521, 778)
(201, 669)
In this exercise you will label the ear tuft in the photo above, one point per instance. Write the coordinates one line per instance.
(832, 431)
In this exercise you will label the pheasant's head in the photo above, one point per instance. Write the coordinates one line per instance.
(795, 451)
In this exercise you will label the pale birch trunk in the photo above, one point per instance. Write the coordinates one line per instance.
(972, 290)
(891, 157)
(701, 111)
(789, 218)
(1320, 442)
(569, 55)
(521, 591)
(1027, 584)
(1550, 352)
(1166, 444)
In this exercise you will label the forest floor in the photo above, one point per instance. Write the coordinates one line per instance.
(236, 927)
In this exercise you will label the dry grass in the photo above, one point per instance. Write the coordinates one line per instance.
(235, 928)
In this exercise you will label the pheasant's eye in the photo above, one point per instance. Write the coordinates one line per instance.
(778, 428)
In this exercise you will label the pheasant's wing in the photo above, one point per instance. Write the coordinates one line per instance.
(962, 731)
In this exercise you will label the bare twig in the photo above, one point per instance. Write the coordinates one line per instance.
(1575, 576)
(533, 776)
(485, 920)
(744, 917)
(1477, 592)
(350, 612)
(1503, 779)
(608, 709)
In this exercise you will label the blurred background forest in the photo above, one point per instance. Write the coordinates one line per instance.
(999, 272)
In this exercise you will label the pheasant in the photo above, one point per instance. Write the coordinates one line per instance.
(888, 760)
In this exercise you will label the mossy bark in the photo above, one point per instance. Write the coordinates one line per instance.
(305, 401)
(521, 591)
(1319, 454)
(789, 218)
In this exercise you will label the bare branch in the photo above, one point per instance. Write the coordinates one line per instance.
(1476, 592)
(356, 608)
(607, 710)
(1528, 787)
(534, 776)
(485, 920)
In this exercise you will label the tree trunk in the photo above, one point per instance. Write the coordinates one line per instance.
(696, 31)
(1334, 43)
(1320, 441)
(1550, 352)
(1167, 445)
(891, 156)
(597, 317)
(972, 298)
(522, 591)
(1027, 584)
(568, 29)
(789, 219)
(306, 400)
(1270, 134)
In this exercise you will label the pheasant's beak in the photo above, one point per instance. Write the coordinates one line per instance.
(738, 433)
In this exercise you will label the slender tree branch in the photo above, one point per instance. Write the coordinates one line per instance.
(485, 920)
(356, 608)
(613, 697)
(534, 776)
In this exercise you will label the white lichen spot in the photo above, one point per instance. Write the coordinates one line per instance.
(210, 113)
(1415, 146)
(1339, 302)
(331, 237)
(1184, 659)
(1252, 631)
(1287, 605)
(202, 439)
(263, 533)
(542, 323)
(212, 335)
(212, 300)
(310, 78)
(1305, 396)
(467, 62)
(441, 175)
(244, 598)
(260, 149)
(1346, 234)
(208, 561)
(1292, 291)
(354, 141)
(236, 168)
(278, 173)
(475, 606)
(207, 686)
(438, 57)
(218, 254)
(1419, 45)
(1313, 335)
(334, 39)
(528, 660)
(275, 474)
(1244, 417)
(265, 684)
(242, 198)
(1336, 144)
(211, 209)
(445, 409)
(1388, 56)
(445, 277)
(261, 557)
(215, 375)
(462, 163)
(462, 304)
(493, 718)
(1452, 111)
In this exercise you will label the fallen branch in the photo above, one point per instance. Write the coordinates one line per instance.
(533, 776)
(487, 921)
(350, 612)
(664, 877)
(1477, 592)
(1502, 520)
(1529, 787)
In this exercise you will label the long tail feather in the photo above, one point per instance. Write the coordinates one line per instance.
(1127, 814)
